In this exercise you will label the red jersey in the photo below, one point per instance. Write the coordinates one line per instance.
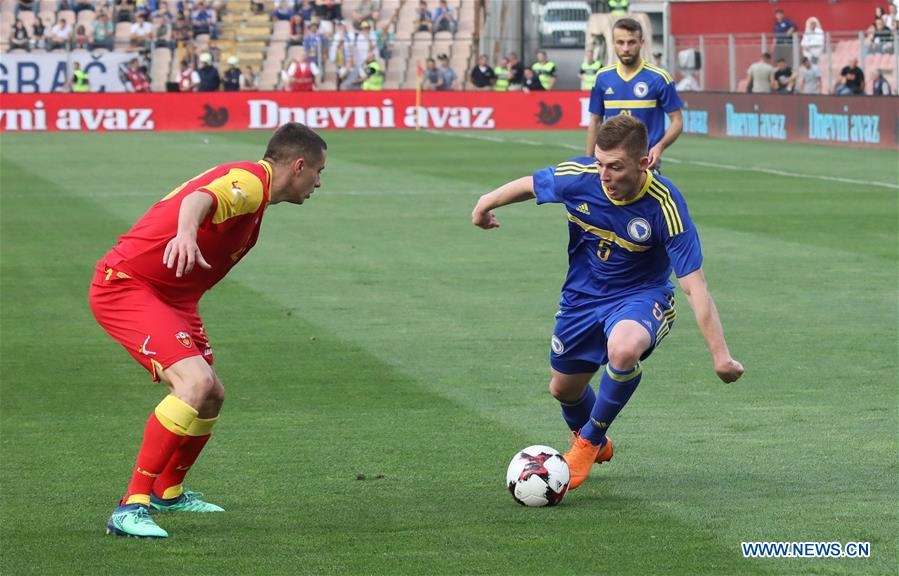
(240, 192)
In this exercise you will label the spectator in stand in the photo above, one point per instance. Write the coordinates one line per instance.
(445, 18)
(163, 12)
(890, 17)
(296, 29)
(60, 35)
(231, 77)
(162, 32)
(329, 10)
(182, 32)
(431, 76)
(783, 78)
(657, 60)
(880, 38)
(809, 76)
(516, 72)
(365, 43)
(313, 42)
(81, 41)
(362, 13)
(307, 10)
(854, 78)
(424, 21)
(283, 10)
(27, 5)
(342, 44)
(349, 75)
(545, 70)
(141, 32)
(38, 41)
(20, 39)
(448, 76)
(783, 35)
(384, 37)
(188, 78)
(124, 10)
(531, 82)
(203, 20)
(249, 82)
(191, 55)
(588, 70)
(758, 75)
(482, 75)
(83, 5)
(812, 43)
(210, 80)
(301, 74)
(144, 7)
(881, 87)
(502, 76)
(138, 80)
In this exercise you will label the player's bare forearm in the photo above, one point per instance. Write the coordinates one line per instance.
(674, 130)
(194, 208)
(182, 252)
(700, 298)
(509, 193)
(595, 121)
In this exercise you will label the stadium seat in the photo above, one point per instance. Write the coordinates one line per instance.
(48, 18)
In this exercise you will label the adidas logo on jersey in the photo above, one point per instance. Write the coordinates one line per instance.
(609, 90)
(583, 209)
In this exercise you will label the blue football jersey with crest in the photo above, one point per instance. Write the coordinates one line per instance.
(648, 94)
(616, 248)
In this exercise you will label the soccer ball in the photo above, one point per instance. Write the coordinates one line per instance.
(538, 476)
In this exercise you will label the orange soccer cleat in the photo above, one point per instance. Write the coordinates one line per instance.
(582, 456)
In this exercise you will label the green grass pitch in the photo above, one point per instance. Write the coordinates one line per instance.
(374, 331)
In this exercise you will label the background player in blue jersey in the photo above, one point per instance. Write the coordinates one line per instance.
(635, 87)
(628, 230)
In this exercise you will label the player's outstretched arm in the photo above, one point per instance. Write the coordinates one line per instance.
(509, 193)
(182, 252)
(697, 291)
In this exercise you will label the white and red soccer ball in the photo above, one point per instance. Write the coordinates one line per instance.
(538, 476)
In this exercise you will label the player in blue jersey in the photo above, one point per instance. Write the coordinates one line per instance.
(635, 87)
(628, 230)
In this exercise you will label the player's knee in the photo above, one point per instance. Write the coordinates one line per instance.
(564, 391)
(624, 356)
(216, 394)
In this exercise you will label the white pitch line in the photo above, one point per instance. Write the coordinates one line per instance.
(759, 169)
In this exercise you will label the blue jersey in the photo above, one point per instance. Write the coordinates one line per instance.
(649, 94)
(618, 249)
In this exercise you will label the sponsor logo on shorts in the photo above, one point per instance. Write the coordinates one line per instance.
(639, 229)
(144, 350)
(207, 351)
(184, 338)
(557, 345)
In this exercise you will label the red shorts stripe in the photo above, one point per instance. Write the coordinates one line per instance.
(156, 334)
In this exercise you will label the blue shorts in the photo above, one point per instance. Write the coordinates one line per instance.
(581, 333)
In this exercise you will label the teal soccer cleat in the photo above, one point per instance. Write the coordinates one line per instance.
(133, 521)
(187, 502)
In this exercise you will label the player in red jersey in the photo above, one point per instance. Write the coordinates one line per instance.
(145, 293)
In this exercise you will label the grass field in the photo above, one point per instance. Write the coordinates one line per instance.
(375, 331)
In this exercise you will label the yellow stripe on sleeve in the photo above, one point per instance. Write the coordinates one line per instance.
(679, 224)
(660, 72)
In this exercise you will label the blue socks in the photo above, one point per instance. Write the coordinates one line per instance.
(615, 389)
(578, 414)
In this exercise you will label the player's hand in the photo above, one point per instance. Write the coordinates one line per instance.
(182, 253)
(729, 370)
(484, 219)
(655, 156)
